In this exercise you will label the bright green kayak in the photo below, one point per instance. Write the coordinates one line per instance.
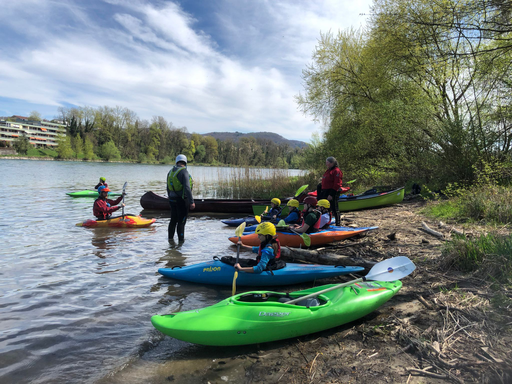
(371, 200)
(89, 193)
(261, 316)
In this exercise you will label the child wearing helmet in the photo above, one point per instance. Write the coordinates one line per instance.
(269, 251)
(275, 210)
(311, 216)
(295, 216)
(104, 207)
(326, 215)
(102, 183)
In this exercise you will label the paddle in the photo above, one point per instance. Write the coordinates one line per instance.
(350, 182)
(239, 231)
(392, 269)
(305, 237)
(301, 189)
(124, 188)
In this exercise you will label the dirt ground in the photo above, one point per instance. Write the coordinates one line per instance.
(441, 327)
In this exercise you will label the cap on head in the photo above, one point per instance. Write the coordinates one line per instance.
(276, 201)
(266, 228)
(324, 203)
(103, 179)
(181, 158)
(293, 203)
(310, 200)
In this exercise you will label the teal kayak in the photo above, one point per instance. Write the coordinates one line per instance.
(89, 193)
(262, 316)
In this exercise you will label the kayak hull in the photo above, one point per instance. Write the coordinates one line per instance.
(236, 222)
(118, 222)
(219, 273)
(89, 193)
(257, 317)
(290, 239)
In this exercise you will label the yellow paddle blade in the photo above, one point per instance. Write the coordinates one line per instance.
(258, 219)
(234, 283)
(239, 231)
(301, 189)
(266, 209)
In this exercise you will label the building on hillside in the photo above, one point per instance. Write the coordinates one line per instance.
(39, 133)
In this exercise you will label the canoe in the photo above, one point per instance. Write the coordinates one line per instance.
(128, 221)
(152, 201)
(89, 193)
(353, 203)
(219, 273)
(236, 222)
(261, 316)
(290, 239)
(372, 200)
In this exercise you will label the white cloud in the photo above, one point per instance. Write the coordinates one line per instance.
(155, 61)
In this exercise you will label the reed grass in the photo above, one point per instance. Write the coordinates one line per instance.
(257, 183)
(488, 255)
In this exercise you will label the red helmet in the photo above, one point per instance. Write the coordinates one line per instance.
(310, 200)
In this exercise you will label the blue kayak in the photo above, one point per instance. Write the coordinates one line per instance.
(236, 222)
(219, 273)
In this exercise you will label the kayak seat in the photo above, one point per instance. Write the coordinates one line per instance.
(311, 302)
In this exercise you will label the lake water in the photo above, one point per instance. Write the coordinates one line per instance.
(75, 303)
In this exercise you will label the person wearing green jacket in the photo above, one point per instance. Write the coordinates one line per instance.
(179, 191)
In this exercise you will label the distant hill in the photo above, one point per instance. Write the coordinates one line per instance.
(274, 137)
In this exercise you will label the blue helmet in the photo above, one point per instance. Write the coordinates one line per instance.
(101, 188)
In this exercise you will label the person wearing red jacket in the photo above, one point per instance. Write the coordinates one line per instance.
(103, 207)
(332, 181)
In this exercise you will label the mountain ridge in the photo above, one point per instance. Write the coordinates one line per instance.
(274, 137)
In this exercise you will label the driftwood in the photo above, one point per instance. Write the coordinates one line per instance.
(312, 256)
(431, 231)
(452, 229)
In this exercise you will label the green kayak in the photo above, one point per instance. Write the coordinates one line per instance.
(262, 316)
(89, 193)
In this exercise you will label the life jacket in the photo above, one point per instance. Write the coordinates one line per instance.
(304, 214)
(272, 262)
(174, 184)
(317, 224)
(300, 219)
(274, 211)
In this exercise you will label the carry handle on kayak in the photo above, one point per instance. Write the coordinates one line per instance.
(392, 269)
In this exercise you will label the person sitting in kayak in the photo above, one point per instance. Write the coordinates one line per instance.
(275, 211)
(269, 251)
(326, 213)
(295, 216)
(104, 207)
(102, 183)
(311, 220)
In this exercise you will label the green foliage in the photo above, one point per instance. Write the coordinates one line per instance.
(200, 153)
(64, 148)
(35, 116)
(109, 151)
(490, 256)
(88, 149)
(22, 145)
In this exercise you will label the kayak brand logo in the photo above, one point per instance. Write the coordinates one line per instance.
(211, 269)
(275, 314)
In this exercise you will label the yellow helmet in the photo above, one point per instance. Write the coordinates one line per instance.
(266, 228)
(276, 201)
(293, 203)
(324, 203)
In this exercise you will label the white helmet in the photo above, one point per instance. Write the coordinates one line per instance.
(181, 158)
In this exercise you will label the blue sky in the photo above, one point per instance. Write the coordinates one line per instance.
(211, 65)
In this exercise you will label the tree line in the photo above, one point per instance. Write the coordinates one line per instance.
(423, 93)
(118, 134)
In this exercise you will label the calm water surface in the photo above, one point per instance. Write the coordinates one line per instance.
(75, 303)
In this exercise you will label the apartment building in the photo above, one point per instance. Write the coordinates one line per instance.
(39, 133)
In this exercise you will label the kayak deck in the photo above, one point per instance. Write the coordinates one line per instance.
(118, 222)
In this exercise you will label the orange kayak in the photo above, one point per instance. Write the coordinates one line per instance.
(118, 222)
(318, 238)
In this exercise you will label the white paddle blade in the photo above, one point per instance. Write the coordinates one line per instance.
(392, 269)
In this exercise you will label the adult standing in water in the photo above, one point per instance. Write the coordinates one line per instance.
(179, 190)
(330, 186)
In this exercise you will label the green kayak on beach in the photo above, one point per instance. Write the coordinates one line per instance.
(89, 193)
(262, 316)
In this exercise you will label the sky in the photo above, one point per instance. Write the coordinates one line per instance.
(209, 65)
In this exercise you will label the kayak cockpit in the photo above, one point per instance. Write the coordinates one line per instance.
(278, 299)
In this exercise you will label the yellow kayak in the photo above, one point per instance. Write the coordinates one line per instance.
(127, 221)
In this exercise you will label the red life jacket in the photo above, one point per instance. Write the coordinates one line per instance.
(277, 254)
(317, 224)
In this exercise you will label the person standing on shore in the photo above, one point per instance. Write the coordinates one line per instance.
(179, 190)
(330, 186)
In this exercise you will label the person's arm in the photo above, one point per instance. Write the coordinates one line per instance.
(291, 218)
(302, 229)
(265, 257)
